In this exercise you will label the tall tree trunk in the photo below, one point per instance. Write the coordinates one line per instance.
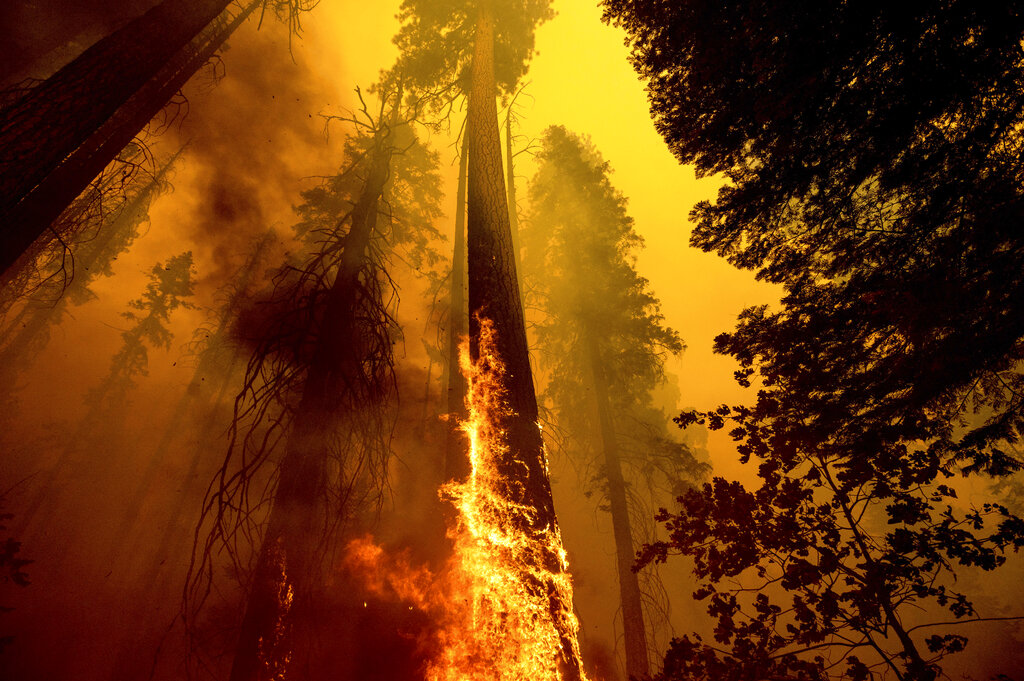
(62, 133)
(634, 629)
(285, 569)
(29, 271)
(456, 458)
(494, 294)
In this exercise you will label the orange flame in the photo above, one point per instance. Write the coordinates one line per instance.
(502, 613)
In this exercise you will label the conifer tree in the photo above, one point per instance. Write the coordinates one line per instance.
(602, 342)
(170, 287)
(320, 384)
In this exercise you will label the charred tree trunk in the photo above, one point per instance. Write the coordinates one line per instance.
(45, 258)
(456, 464)
(286, 565)
(633, 626)
(494, 294)
(62, 133)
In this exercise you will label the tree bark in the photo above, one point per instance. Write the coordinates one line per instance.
(285, 569)
(494, 295)
(633, 626)
(456, 460)
(62, 133)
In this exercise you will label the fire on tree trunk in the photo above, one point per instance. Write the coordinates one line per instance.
(494, 298)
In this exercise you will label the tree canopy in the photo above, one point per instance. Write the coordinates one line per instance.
(581, 272)
(871, 157)
(436, 40)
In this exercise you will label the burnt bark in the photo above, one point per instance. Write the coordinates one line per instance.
(62, 133)
(633, 625)
(286, 567)
(494, 295)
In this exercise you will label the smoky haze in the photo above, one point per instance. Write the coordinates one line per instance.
(120, 485)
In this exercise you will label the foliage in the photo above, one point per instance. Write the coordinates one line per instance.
(580, 270)
(170, 285)
(292, 337)
(437, 36)
(872, 157)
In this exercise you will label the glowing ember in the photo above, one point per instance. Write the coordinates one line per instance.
(502, 609)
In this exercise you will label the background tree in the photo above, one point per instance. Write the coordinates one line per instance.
(170, 287)
(11, 566)
(873, 156)
(99, 238)
(603, 342)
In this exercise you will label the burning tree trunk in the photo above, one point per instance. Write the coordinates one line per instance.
(494, 298)
(89, 110)
(286, 566)
(634, 629)
(456, 461)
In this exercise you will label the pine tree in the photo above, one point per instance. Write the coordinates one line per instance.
(500, 35)
(602, 342)
(320, 382)
(169, 288)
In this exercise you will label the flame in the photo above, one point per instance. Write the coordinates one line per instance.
(503, 607)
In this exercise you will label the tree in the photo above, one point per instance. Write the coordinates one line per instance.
(170, 287)
(320, 385)
(603, 341)
(61, 133)
(455, 462)
(99, 239)
(434, 41)
(872, 158)
(11, 566)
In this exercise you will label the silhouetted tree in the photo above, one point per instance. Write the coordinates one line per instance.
(603, 342)
(11, 566)
(169, 288)
(97, 247)
(872, 154)
(320, 385)
(61, 133)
